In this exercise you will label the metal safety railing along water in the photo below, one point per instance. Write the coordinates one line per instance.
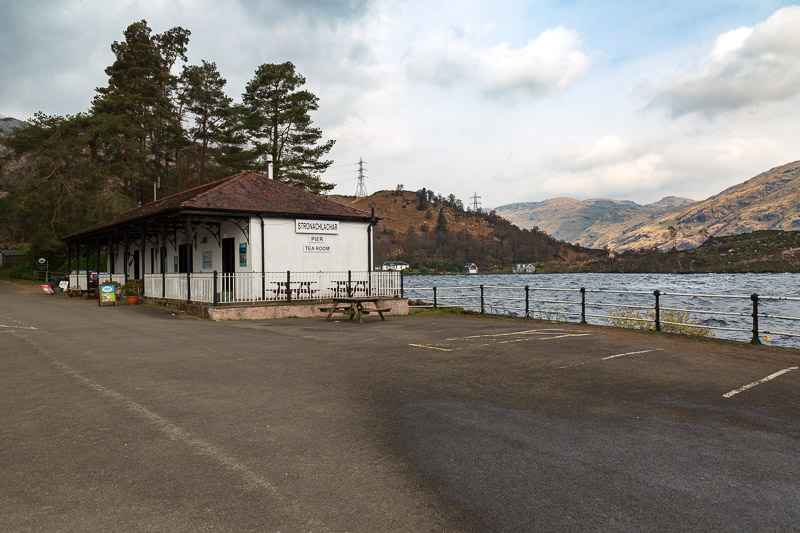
(615, 307)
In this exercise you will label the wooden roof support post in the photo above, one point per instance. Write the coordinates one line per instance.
(125, 254)
(263, 280)
(110, 256)
(87, 265)
(163, 265)
(188, 242)
(142, 247)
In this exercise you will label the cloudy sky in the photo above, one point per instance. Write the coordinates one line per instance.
(512, 100)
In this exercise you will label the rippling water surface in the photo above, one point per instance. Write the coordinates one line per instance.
(733, 308)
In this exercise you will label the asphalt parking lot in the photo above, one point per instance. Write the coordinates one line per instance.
(138, 419)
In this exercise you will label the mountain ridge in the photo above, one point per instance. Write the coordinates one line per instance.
(770, 200)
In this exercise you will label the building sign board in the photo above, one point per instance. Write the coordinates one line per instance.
(330, 227)
(107, 294)
(319, 248)
(242, 254)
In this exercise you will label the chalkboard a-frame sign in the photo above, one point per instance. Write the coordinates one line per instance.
(107, 294)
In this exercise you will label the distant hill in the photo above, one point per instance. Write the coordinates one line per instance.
(7, 125)
(759, 251)
(594, 223)
(409, 234)
(769, 201)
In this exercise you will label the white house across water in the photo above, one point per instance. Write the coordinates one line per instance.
(241, 240)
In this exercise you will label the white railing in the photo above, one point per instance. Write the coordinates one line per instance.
(78, 282)
(115, 278)
(249, 287)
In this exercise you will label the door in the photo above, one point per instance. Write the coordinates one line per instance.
(183, 259)
(228, 267)
(136, 265)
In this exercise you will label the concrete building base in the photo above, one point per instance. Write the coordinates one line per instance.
(268, 310)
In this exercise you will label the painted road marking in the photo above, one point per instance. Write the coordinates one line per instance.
(629, 353)
(433, 347)
(608, 357)
(524, 332)
(176, 433)
(529, 339)
(734, 392)
(16, 327)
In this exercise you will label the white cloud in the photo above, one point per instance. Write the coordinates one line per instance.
(547, 64)
(746, 67)
(608, 149)
(611, 166)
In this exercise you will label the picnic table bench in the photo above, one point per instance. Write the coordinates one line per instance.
(354, 307)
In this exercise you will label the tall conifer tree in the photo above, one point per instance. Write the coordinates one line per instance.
(278, 127)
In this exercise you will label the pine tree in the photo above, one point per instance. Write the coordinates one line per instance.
(135, 112)
(278, 127)
(441, 223)
(204, 105)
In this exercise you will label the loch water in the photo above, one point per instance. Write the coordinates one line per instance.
(728, 296)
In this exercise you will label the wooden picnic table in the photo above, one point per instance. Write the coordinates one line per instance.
(354, 307)
(340, 288)
(297, 289)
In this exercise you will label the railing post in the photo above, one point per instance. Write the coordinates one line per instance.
(434, 298)
(369, 283)
(349, 283)
(288, 285)
(188, 287)
(163, 285)
(402, 289)
(657, 310)
(483, 309)
(755, 339)
(583, 305)
(527, 301)
(216, 292)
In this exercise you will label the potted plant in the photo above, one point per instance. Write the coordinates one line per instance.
(131, 290)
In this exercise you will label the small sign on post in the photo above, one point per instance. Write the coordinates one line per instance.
(107, 294)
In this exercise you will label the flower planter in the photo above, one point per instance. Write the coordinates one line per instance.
(132, 300)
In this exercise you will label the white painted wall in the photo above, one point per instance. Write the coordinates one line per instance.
(284, 249)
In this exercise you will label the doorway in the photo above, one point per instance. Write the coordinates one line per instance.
(136, 265)
(228, 266)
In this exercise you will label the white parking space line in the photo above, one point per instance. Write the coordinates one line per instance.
(734, 392)
(562, 336)
(524, 332)
(14, 327)
(433, 347)
(608, 357)
(441, 347)
(629, 353)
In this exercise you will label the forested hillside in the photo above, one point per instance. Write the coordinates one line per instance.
(433, 232)
(158, 127)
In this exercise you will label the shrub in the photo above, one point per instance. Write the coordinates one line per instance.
(672, 321)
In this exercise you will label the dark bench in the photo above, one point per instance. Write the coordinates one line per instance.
(379, 310)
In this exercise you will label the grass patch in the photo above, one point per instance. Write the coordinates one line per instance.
(438, 311)
(672, 321)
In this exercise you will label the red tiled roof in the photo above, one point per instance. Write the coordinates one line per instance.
(245, 192)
